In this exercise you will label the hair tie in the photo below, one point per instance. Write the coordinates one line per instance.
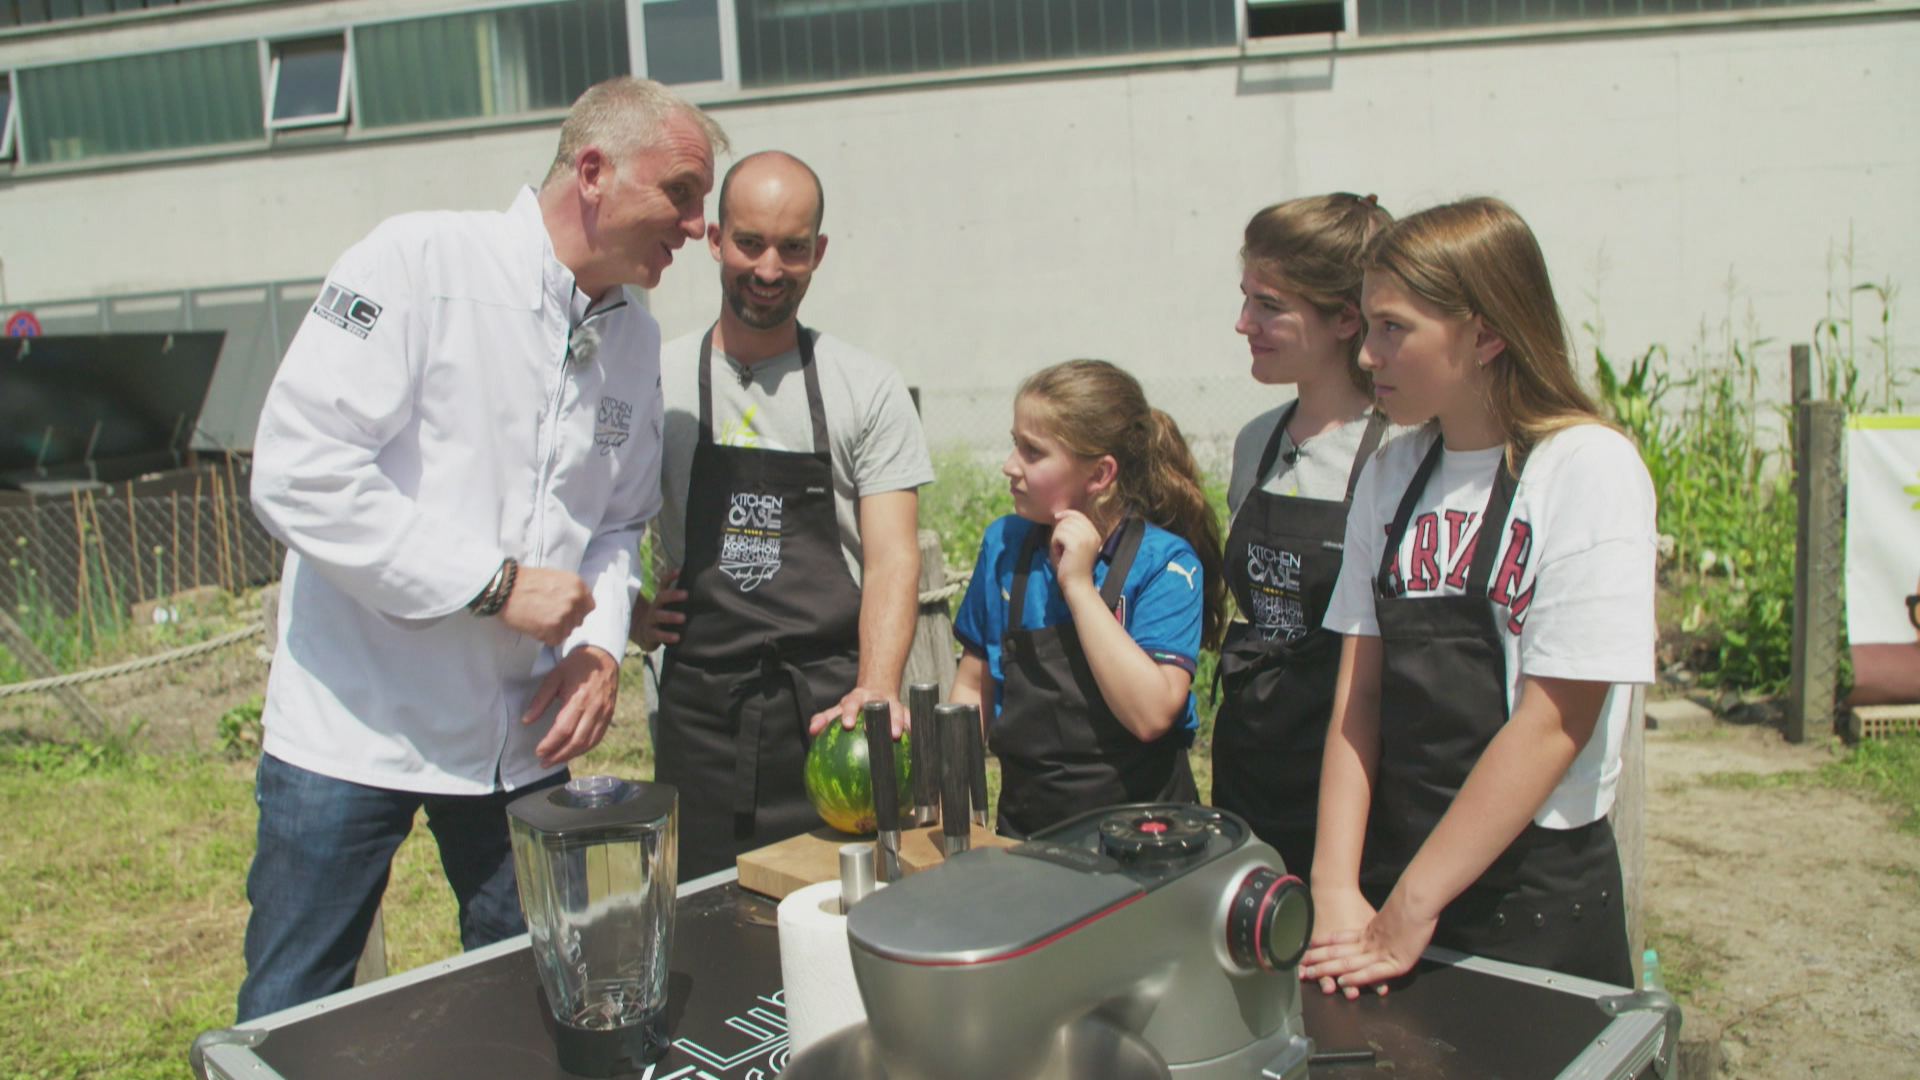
(1372, 200)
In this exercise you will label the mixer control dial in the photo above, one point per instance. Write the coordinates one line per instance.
(1270, 921)
(1152, 835)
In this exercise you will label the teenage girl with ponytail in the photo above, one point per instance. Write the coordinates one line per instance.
(1294, 471)
(1496, 599)
(1089, 605)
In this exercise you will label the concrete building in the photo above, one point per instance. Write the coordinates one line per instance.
(1010, 182)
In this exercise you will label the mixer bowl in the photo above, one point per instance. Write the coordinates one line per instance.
(1088, 1049)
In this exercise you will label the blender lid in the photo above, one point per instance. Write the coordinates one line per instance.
(589, 803)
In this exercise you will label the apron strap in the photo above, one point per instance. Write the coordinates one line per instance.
(746, 746)
(1272, 452)
(1037, 536)
(1493, 526)
(1499, 502)
(1122, 564)
(1133, 528)
(816, 408)
(1369, 442)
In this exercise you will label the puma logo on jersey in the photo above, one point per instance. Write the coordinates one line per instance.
(1185, 573)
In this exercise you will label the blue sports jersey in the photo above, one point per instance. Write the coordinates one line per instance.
(1161, 603)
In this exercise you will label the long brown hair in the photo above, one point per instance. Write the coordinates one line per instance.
(1477, 257)
(1312, 247)
(1096, 409)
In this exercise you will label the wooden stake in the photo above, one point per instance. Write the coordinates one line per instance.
(239, 555)
(220, 528)
(83, 595)
(176, 541)
(100, 544)
(196, 534)
(139, 556)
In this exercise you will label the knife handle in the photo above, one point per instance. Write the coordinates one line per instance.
(951, 721)
(923, 744)
(878, 716)
(977, 764)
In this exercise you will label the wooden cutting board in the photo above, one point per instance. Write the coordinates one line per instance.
(793, 864)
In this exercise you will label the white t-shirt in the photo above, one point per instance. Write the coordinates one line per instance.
(1572, 590)
(873, 432)
(1320, 467)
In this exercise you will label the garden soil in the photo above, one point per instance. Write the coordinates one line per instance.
(1796, 906)
(1792, 910)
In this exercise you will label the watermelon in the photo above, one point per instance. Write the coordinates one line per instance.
(840, 782)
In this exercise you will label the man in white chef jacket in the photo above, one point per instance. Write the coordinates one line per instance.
(459, 451)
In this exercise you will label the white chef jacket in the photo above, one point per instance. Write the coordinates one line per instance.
(423, 426)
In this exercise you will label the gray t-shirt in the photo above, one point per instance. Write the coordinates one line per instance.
(874, 433)
(1320, 471)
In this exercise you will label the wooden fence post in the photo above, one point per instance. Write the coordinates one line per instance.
(931, 658)
(39, 667)
(1630, 826)
(1819, 488)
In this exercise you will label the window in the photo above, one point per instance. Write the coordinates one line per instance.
(208, 96)
(1413, 16)
(486, 63)
(1279, 18)
(308, 82)
(799, 41)
(6, 118)
(681, 41)
(34, 12)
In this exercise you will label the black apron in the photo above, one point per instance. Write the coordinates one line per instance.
(1062, 751)
(1278, 668)
(1553, 898)
(772, 635)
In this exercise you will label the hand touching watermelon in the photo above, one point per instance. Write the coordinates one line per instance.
(840, 780)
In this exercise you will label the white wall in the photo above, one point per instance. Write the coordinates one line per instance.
(982, 230)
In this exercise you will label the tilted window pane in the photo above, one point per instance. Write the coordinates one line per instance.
(683, 40)
(1416, 16)
(488, 63)
(137, 104)
(309, 80)
(797, 41)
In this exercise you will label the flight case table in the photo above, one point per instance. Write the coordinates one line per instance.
(481, 1016)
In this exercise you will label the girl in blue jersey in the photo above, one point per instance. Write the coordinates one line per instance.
(1090, 604)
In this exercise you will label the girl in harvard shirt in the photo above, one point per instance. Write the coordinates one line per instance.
(1496, 595)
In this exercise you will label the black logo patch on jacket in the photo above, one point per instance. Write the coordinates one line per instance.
(347, 310)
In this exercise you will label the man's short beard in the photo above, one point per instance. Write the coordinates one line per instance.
(762, 318)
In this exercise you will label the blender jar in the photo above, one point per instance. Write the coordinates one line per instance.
(596, 860)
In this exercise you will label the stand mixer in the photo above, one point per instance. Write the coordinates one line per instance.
(1154, 941)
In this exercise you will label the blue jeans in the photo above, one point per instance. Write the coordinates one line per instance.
(325, 851)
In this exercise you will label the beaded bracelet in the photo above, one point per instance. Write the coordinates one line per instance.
(494, 596)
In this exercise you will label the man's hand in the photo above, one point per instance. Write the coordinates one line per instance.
(585, 684)
(547, 604)
(848, 711)
(652, 619)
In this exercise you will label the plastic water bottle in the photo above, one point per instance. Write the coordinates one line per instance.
(1650, 971)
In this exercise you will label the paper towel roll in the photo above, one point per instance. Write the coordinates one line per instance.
(816, 963)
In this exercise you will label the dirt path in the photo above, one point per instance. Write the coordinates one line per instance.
(1796, 907)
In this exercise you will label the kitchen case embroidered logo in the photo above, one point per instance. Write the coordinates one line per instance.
(347, 310)
(613, 425)
(750, 546)
(1278, 610)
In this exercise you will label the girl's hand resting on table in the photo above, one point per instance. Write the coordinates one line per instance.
(1348, 957)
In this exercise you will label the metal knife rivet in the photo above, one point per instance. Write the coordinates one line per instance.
(1539, 919)
(1499, 918)
(1576, 911)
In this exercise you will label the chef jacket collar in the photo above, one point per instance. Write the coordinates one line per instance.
(556, 283)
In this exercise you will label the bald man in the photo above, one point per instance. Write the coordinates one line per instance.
(785, 540)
